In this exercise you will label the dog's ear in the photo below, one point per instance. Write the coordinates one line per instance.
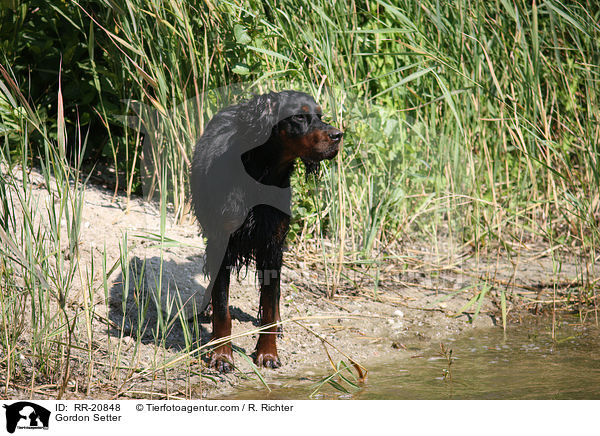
(258, 116)
(312, 167)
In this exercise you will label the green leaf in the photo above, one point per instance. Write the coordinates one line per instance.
(243, 355)
(271, 53)
(241, 34)
(241, 69)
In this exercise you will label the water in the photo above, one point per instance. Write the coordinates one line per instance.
(486, 364)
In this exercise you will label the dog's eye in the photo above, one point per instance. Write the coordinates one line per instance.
(298, 118)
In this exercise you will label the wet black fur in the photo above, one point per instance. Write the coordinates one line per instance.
(240, 185)
(250, 130)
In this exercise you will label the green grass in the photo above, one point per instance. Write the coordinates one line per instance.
(469, 122)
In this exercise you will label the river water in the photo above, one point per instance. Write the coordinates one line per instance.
(524, 363)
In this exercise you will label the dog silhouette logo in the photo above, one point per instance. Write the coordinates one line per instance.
(26, 415)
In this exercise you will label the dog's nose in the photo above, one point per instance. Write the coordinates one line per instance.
(335, 135)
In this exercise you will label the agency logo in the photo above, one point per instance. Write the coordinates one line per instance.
(26, 415)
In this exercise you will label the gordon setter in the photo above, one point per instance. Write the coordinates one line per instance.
(240, 184)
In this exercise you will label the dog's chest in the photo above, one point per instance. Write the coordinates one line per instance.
(265, 223)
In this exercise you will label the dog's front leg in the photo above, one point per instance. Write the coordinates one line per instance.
(269, 271)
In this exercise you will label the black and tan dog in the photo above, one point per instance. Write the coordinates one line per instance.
(240, 185)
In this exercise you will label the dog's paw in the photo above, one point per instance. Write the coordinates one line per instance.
(267, 360)
(222, 360)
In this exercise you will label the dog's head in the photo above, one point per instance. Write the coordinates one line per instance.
(293, 119)
(302, 132)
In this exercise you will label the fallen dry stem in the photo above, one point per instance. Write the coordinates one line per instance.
(362, 371)
(226, 339)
